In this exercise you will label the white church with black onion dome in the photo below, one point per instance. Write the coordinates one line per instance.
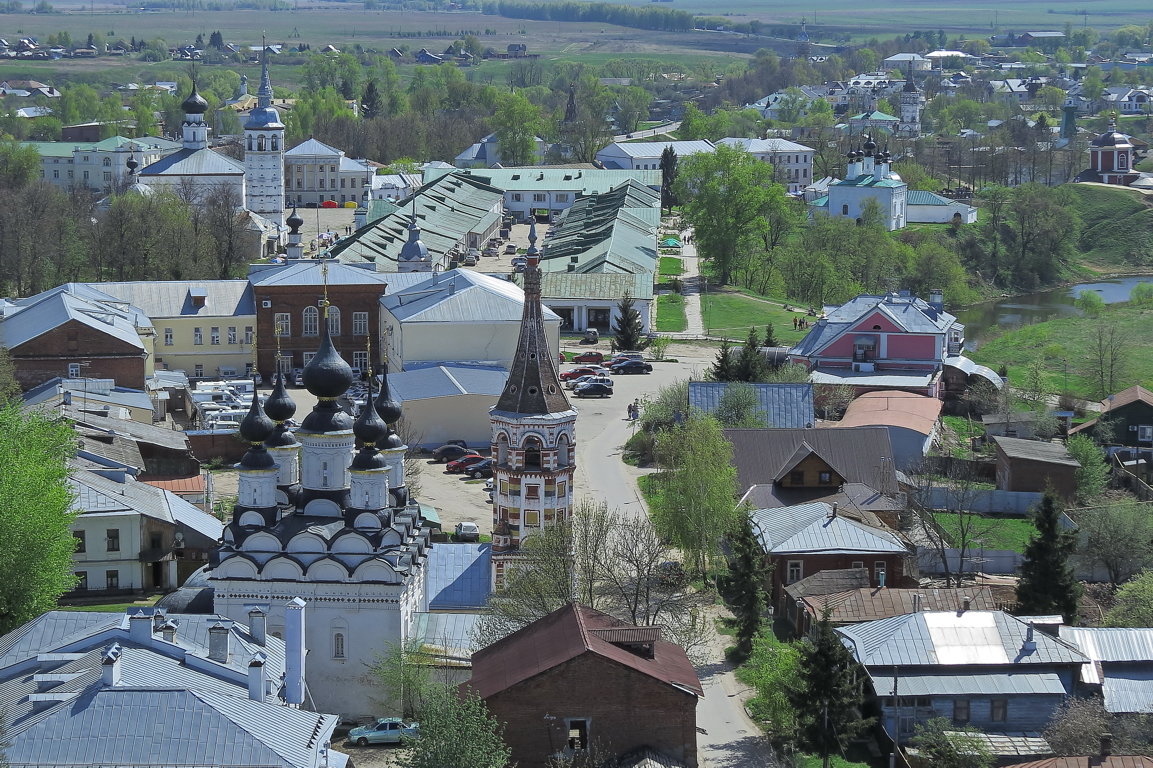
(324, 515)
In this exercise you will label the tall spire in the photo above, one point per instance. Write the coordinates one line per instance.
(533, 386)
(264, 95)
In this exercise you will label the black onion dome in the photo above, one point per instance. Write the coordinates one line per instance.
(279, 406)
(390, 441)
(132, 164)
(195, 104)
(386, 406)
(369, 426)
(256, 426)
(327, 376)
(368, 458)
(294, 221)
(870, 146)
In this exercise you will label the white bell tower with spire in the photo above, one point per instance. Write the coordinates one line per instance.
(264, 152)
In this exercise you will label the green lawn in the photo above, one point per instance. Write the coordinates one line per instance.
(963, 427)
(671, 266)
(731, 314)
(993, 532)
(1117, 226)
(835, 761)
(671, 313)
(1063, 347)
(113, 607)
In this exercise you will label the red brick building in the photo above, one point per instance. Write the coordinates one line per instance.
(290, 295)
(74, 330)
(579, 679)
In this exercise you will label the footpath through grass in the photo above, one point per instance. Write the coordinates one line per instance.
(671, 316)
(1064, 347)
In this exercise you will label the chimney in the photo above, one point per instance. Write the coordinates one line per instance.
(159, 616)
(219, 636)
(140, 629)
(1106, 745)
(110, 665)
(937, 299)
(832, 511)
(168, 631)
(881, 578)
(294, 652)
(965, 605)
(916, 602)
(256, 684)
(1030, 644)
(258, 624)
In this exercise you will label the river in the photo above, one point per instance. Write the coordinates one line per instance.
(1014, 311)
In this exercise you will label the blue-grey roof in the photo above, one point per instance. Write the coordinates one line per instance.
(172, 298)
(460, 296)
(425, 382)
(765, 145)
(953, 639)
(194, 162)
(814, 528)
(96, 493)
(22, 320)
(912, 314)
(1128, 690)
(780, 405)
(459, 576)
(313, 148)
(990, 684)
(170, 726)
(1111, 644)
(308, 272)
(448, 636)
(94, 391)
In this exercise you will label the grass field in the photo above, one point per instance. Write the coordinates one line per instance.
(671, 313)
(671, 266)
(1067, 343)
(113, 607)
(731, 314)
(993, 532)
(1117, 226)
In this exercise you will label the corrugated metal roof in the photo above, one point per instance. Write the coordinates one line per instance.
(765, 145)
(610, 286)
(920, 197)
(780, 405)
(872, 603)
(909, 313)
(813, 528)
(893, 408)
(97, 493)
(949, 638)
(1128, 690)
(173, 298)
(459, 576)
(855, 451)
(993, 684)
(583, 181)
(655, 148)
(22, 320)
(1111, 644)
(448, 635)
(1036, 450)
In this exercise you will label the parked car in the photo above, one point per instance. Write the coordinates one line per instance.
(450, 452)
(480, 469)
(632, 366)
(591, 378)
(463, 463)
(491, 251)
(620, 357)
(386, 730)
(298, 377)
(510, 248)
(519, 263)
(468, 260)
(593, 389)
(467, 531)
(592, 356)
(584, 370)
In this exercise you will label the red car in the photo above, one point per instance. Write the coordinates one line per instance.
(592, 356)
(463, 463)
(576, 373)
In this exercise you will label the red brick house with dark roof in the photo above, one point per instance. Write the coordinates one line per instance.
(577, 679)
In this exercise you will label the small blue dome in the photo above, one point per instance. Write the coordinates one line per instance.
(263, 117)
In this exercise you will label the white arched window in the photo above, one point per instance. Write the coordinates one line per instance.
(338, 645)
(311, 321)
(260, 143)
(334, 321)
(275, 143)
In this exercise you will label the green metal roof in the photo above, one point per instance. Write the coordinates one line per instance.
(584, 181)
(66, 148)
(613, 232)
(875, 116)
(594, 285)
(868, 180)
(920, 197)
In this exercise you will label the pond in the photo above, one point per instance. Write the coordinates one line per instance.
(1014, 311)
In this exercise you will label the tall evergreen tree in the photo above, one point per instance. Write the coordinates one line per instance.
(215, 40)
(668, 176)
(370, 104)
(827, 699)
(628, 331)
(1047, 584)
(748, 573)
(723, 367)
(750, 362)
(199, 42)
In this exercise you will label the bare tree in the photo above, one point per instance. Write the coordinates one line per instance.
(957, 488)
(1117, 536)
(226, 225)
(1107, 356)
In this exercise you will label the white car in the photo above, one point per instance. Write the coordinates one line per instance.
(592, 377)
(467, 531)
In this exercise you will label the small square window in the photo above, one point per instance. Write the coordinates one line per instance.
(797, 477)
(80, 542)
(795, 572)
(825, 478)
(998, 709)
(960, 711)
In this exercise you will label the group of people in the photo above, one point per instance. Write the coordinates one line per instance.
(800, 323)
(634, 410)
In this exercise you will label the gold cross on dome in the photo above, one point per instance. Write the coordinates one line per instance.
(324, 276)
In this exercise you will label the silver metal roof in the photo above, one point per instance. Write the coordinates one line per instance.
(194, 162)
(780, 405)
(97, 493)
(954, 639)
(992, 684)
(1128, 690)
(460, 295)
(459, 576)
(308, 272)
(813, 528)
(174, 298)
(422, 383)
(22, 320)
(1111, 644)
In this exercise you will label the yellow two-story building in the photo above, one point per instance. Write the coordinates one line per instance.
(205, 328)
